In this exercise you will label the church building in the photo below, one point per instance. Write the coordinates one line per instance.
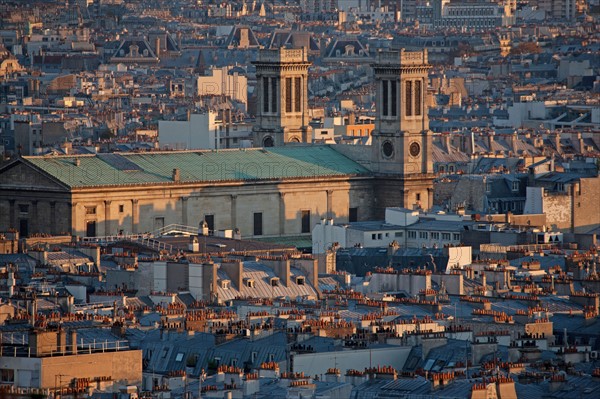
(281, 188)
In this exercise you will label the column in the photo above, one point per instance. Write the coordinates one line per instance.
(135, 217)
(406, 199)
(184, 211)
(12, 214)
(281, 213)
(329, 204)
(73, 218)
(233, 211)
(34, 219)
(53, 228)
(107, 230)
(429, 198)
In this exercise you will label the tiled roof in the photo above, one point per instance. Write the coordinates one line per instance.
(198, 166)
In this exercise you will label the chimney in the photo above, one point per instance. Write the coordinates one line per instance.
(490, 138)
(580, 142)
(514, 140)
(176, 175)
(73, 337)
(556, 137)
(447, 142)
(235, 272)
(203, 229)
(157, 47)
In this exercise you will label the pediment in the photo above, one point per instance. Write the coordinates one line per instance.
(20, 175)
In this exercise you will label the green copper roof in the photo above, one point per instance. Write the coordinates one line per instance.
(198, 166)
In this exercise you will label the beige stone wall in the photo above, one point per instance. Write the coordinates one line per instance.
(557, 207)
(123, 367)
(586, 204)
(233, 205)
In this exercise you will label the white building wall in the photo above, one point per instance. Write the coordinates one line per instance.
(534, 201)
(318, 363)
(200, 132)
(401, 216)
(221, 83)
(325, 234)
(195, 280)
(160, 276)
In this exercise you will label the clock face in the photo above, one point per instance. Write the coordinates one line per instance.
(414, 149)
(388, 149)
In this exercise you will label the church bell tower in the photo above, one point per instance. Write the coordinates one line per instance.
(402, 141)
(282, 107)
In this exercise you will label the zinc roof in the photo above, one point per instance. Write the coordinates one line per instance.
(198, 166)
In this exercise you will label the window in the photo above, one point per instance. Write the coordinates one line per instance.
(417, 97)
(408, 98)
(435, 235)
(394, 89)
(225, 284)
(179, 357)
(305, 221)
(90, 210)
(288, 94)
(265, 94)
(23, 208)
(297, 94)
(353, 215)
(7, 375)
(253, 356)
(412, 234)
(274, 281)
(456, 237)
(164, 353)
(379, 236)
(249, 283)
(300, 280)
(488, 187)
(210, 221)
(445, 236)
(418, 196)
(90, 229)
(273, 95)
(121, 208)
(385, 96)
(373, 236)
(271, 357)
(515, 186)
(258, 223)
(423, 235)
(399, 234)
(233, 362)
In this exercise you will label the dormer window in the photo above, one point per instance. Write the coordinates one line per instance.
(300, 280)
(275, 282)
(248, 282)
(225, 284)
(515, 186)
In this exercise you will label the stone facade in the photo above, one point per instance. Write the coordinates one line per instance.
(399, 169)
(282, 84)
